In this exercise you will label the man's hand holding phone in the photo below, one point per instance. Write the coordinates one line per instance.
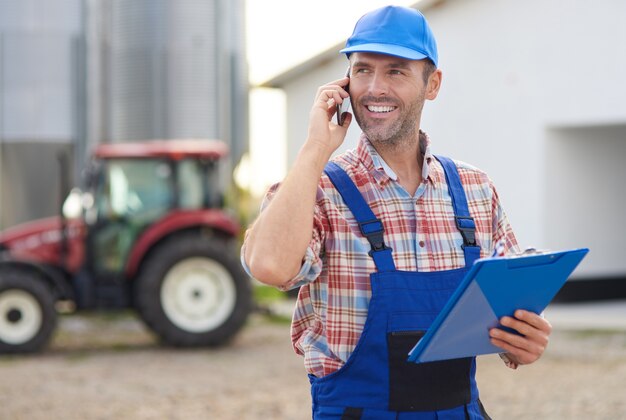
(324, 129)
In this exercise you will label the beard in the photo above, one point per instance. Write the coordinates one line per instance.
(391, 134)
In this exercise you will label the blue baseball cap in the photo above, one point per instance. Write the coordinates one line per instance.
(393, 30)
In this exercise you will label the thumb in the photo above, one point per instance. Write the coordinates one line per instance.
(347, 119)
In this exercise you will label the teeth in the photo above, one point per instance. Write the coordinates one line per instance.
(373, 108)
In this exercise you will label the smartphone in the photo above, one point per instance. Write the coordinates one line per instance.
(345, 105)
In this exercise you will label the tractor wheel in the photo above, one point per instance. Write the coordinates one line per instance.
(27, 313)
(193, 292)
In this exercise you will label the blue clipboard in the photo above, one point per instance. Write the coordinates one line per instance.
(492, 288)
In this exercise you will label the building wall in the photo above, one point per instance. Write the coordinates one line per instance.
(585, 194)
(40, 97)
(533, 94)
(30, 178)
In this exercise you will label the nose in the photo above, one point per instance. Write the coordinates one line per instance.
(378, 85)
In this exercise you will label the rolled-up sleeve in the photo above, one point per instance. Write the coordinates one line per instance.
(312, 261)
(502, 230)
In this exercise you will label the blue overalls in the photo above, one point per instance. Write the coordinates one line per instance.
(377, 382)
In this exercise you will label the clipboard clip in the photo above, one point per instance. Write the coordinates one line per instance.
(533, 251)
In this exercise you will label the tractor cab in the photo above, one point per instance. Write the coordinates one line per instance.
(129, 190)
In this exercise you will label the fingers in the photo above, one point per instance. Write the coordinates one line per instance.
(519, 352)
(322, 128)
(532, 340)
(329, 100)
(341, 83)
(347, 118)
(334, 91)
(527, 323)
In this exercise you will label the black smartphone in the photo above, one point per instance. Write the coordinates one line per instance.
(343, 107)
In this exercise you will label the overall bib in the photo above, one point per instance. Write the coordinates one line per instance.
(377, 382)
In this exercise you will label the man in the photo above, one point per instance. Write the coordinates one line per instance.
(380, 239)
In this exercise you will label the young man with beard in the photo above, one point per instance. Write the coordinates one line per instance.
(378, 239)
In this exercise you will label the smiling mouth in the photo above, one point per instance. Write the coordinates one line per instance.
(380, 108)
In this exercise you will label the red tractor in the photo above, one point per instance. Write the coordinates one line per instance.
(148, 232)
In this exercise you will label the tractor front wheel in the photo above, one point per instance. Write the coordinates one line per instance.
(27, 313)
(193, 292)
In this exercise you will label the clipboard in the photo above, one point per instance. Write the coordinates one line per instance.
(492, 288)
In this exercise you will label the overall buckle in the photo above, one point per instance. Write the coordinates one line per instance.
(373, 230)
(467, 227)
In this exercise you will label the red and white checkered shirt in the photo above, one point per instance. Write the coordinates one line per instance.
(335, 288)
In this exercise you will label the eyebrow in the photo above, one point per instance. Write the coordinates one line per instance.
(400, 64)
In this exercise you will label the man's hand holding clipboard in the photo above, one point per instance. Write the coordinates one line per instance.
(496, 308)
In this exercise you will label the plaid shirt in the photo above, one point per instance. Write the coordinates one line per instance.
(332, 304)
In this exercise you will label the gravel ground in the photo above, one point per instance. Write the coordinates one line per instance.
(111, 367)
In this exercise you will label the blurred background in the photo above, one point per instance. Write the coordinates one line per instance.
(533, 93)
(77, 73)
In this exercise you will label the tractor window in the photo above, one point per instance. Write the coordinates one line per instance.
(134, 194)
(190, 184)
(136, 188)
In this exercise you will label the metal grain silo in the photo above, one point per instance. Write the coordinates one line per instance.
(75, 73)
(41, 102)
(171, 69)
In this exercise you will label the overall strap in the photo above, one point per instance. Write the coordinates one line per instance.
(371, 227)
(464, 221)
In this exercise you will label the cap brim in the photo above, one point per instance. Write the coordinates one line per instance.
(387, 49)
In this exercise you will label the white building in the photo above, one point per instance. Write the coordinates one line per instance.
(534, 93)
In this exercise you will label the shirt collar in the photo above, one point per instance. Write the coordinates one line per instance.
(381, 171)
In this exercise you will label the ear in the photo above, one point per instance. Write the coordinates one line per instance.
(434, 83)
